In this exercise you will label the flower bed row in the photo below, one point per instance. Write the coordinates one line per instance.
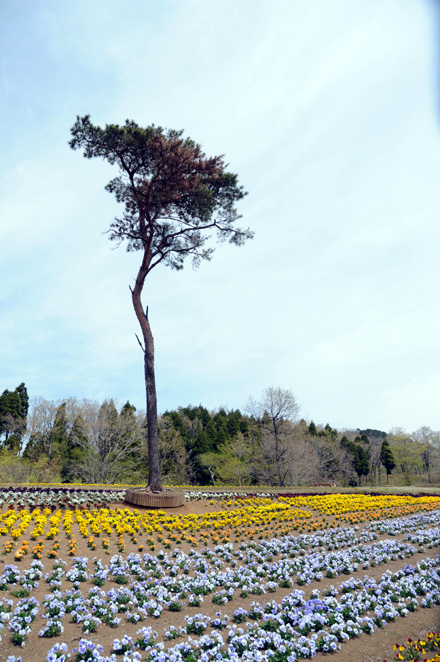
(137, 588)
(173, 582)
(275, 632)
(120, 521)
(58, 496)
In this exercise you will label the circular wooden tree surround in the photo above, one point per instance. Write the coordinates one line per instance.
(147, 499)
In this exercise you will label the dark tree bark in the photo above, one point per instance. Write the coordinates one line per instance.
(154, 479)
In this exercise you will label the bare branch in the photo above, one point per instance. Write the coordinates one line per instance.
(140, 344)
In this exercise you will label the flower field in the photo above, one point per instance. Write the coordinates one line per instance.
(226, 577)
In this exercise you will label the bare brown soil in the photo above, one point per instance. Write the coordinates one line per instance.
(365, 648)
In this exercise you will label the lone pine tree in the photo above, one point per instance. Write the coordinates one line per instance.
(175, 199)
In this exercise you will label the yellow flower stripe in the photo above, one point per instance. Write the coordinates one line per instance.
(249, 517)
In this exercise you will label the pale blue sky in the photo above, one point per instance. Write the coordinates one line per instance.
(326, 110)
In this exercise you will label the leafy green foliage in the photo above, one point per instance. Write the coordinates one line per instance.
(170, 190)
(360, 461)
(232, 463)
(14, 407)
(24, 400)
(312, 429)
(386, 457)
(203, 433)
(369, 432)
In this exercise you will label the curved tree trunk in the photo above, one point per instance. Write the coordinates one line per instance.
(154, 480)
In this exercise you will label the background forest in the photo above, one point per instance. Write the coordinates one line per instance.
(267, 444)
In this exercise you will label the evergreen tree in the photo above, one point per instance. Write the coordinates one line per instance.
(24, 400)
(13, 417)
(386, 457)
(211, 433)
(175, 199)
(128, 409)
(201, 444)
(233, 424)
(177, 421)
(203, 415)
(369, 432)
(222, 431)
(202, 433)
(75, 452)
(244, 425)
(221, 425)
(360, 462)
(189, 411)
(331, 432)
(10, 404)
(59, 430)
(312, 429)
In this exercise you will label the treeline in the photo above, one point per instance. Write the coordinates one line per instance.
(86, 441)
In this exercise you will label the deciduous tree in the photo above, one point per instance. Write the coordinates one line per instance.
(275, 413)
(110, 439)
(232, 462)
(431, 445)
(407, 453)
(41, 423)
(172, 452)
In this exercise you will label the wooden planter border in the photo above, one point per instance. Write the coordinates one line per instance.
(149, 500)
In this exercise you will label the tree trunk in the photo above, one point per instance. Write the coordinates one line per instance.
(154, 479)
(277, 454)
